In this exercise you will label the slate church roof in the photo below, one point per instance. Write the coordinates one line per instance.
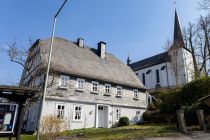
(69, 58)
(151, 61)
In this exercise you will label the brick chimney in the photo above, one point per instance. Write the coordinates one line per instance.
(102, 49)
(80, 42)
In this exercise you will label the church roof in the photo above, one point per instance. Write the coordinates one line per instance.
(178, 38)
(70, 59)
(151, 61)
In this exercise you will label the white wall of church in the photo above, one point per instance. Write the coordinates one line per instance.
(167, 77)
(151, 78)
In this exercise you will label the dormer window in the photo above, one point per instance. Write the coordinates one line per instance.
(80, 84)
(136, 93)
(107, 88)
(95, 87)
(119, 91)
(64, 80)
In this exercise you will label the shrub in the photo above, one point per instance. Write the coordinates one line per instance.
(159, 118)
(195, 90)
(170, 102)
(124, 121)
(51, 127)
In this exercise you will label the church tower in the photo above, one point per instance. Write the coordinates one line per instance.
(181, 57)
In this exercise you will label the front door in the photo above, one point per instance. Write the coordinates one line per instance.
(101, 116)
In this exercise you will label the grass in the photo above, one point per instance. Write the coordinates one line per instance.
(23, 137)
(128, 132)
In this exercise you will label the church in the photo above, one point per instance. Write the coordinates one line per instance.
(171, 68)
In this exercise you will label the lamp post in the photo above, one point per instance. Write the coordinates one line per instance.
(47, 72)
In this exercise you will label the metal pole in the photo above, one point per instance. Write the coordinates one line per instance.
(47, 73)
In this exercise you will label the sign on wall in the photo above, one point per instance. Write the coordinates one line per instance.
(8, 113)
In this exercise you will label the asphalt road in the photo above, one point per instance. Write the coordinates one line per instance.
(192, 136)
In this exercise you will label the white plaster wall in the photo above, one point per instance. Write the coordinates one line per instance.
(185, 71)
(150, 79)
(71, 96)
(88, 113)
(189, 67)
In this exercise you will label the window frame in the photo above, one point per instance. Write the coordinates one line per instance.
(118, 112)
(95, 82)
(119, 95)
(66, 82)
(74, 113)
(105, 88)
(77, 86)
(60, 110)
(136, 93)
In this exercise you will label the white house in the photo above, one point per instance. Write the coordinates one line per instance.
(87, 87)
(168, 69)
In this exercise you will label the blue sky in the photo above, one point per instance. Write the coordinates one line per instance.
(140, 27)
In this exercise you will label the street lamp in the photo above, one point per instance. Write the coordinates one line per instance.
(47, 73)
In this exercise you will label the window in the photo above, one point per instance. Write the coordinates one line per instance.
(136, 93)
(64, 81)
(143, 78)
(118, 114)
(77, 113)
(100, 108)
(138, 113)
(119, 91)
(60, 109)
(95, 86)
(157, 76)
(80, 84)
(148, 72)
(107, 88)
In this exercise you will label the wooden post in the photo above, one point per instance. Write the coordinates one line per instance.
(201, 120)
(20, 120)
(181, 120)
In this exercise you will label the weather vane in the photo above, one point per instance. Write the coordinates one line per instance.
(175, 3)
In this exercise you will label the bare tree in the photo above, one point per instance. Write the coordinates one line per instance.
(190, 40)
(204, 4)
(31, 63)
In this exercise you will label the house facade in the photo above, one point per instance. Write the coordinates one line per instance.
(168, 69)
(86, 88)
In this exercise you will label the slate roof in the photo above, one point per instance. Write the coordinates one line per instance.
(69, 58)
(151, 61)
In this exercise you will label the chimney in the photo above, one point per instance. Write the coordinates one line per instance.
(80, 42)
(102, 49)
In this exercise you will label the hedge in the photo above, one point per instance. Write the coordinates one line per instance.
(195, 90)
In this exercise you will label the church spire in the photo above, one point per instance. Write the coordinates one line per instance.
(178, 38)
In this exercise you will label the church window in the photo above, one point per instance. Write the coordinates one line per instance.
(143, 78)
(157, 76)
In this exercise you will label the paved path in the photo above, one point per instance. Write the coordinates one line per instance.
(193, 136)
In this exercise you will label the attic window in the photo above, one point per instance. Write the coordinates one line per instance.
(163, 67)
(64, 81)
(95, 86)
(148, 71)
